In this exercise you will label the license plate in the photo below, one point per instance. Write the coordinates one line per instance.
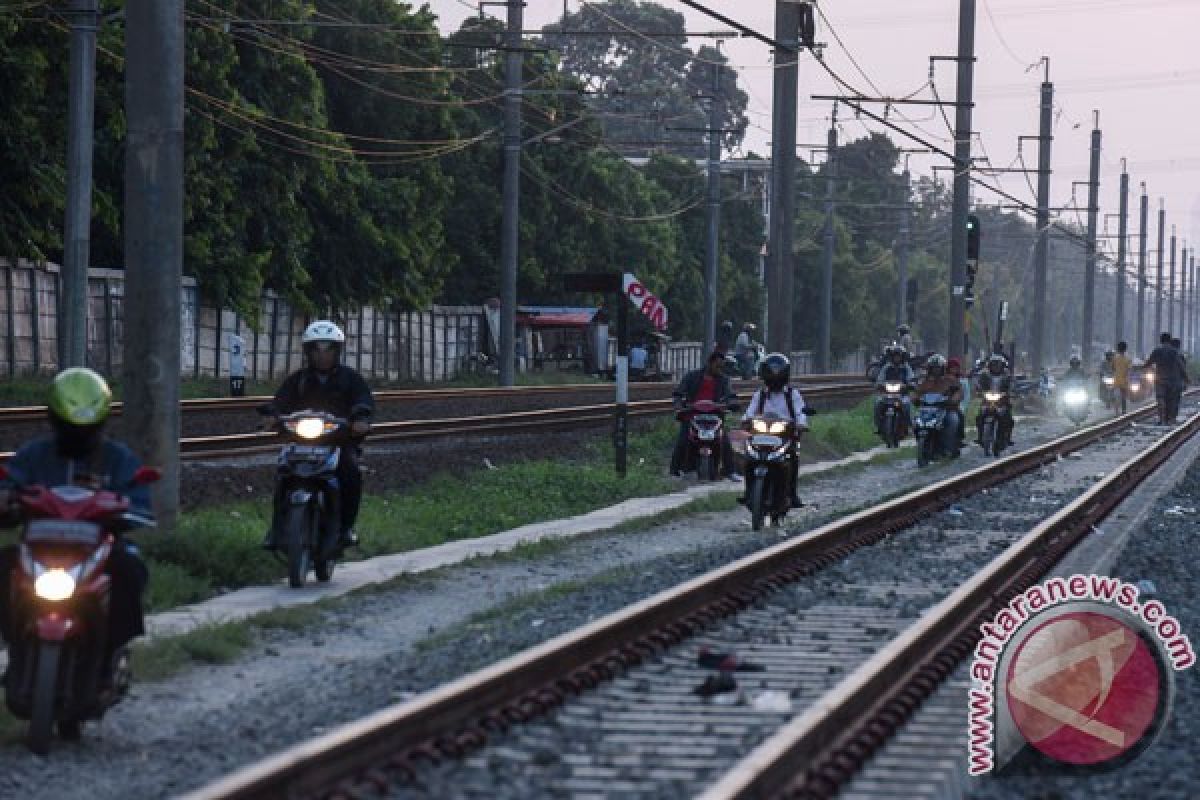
(766, 441)
(310, 451)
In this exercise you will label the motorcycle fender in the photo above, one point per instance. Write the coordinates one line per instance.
(706, 451)
(54, 627)
(299, 497)
(760, 471)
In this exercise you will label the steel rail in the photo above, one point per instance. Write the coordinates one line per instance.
(235, 445)
(819, 751)
(449, 720)
(211, 404)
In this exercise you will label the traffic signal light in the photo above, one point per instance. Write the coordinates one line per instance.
(973, 237)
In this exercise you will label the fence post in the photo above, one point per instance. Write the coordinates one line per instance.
(12, 321)
(291, 331)
(274, 332)
(35, 314)
(108, 327)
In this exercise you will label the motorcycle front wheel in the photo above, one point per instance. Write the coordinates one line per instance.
(754, 499)
(988, 437)
(889, 432)
(45, 687)
(299, 524)
(924, 445)
(706, 470)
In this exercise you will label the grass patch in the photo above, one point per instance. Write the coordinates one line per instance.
(160, 658)
(840, 433)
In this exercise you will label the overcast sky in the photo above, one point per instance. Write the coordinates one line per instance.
(1136, 61)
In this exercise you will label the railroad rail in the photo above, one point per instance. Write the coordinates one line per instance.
(807, 757)
(247, 444)
(211, 404)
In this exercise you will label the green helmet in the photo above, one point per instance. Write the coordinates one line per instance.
(80, 396)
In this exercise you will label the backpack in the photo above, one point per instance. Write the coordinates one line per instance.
(787, 395)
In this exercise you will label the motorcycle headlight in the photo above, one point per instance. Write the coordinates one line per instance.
(54, 584)
(759, 426)
(993, 397)
(1108, 381)
(1135, 387)
(778, 427)
(1075, 397)
(1149, 377)
(310, 427)
(893, 388)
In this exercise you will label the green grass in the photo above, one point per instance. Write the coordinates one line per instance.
(841, 433)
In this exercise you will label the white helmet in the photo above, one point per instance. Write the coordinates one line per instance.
(323, 331)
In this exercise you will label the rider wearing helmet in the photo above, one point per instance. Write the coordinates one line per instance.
(938, 381)
(745, 350)
(1075, 372)
(325, 384)
(904, 337)
(996, 378)
(895, 369)
(725, 336)
(78, 453)
(712, 384)
(776, 396)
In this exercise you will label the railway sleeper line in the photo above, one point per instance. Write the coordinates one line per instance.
(401, 743)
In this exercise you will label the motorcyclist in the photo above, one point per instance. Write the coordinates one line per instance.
(996, 378)
(1106, 371)
(895, 369)
(1170, 376)
(1075, 372)
(745, 350)
(325, 384)
(938, 381)
(776, 396)
(725, 336)
(77, 453)
(904, 337)
(712, 384)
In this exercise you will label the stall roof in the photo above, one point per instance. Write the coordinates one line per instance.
(555, 316)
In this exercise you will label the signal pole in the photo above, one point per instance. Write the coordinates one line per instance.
(1158, 293)
(780, 271)
(154, 57)
(1045, 138)
(902, 256)
(512, 192)
(1122, 233)
(823, 353)
(1171, 288)
(956, 324)
(1089, 279)
(72, 348)
(1140, 343)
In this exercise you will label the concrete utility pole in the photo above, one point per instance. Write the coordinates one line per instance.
(781, 279)
(1041, 245)
(1089, 278)
(1159, 285)
(711, 254)
(72, 346)
(512, 192)
(1171, 288)
(1140, 342)
(902, 255)
(955, 329)
(1195, 305)
(824, 360)
(1122, 267)
(154, 57)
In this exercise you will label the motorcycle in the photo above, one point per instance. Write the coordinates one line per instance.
(706, 430)
(59, 605)
(993, 406)
(310, 527)
(928, 424)
(893, 426)
(1108, 391)
(1075, 403)
(770, 449)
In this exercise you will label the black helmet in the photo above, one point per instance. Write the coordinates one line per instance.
(896, 350)
(727, 325)
(1075, 362)
(936, 362)
(902, 329)
(997, 363)
(775, 371)
(1108, 354)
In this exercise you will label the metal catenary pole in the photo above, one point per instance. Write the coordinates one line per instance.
(1045, 138)
(956, 327)
(154, 58)
(1158, 285)
(902, 255)
(712, 253)
(72, 342)
(1089, 278)
(1143, 222)
(780, 275)
(512, 186)
(824, 352)
(1171, 285)
(1122, 253)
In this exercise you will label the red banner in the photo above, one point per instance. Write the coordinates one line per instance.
(645, 302)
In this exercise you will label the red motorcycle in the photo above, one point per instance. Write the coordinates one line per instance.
(60, 603)
(706, 430)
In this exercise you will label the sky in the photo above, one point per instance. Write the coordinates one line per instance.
(1134, 61)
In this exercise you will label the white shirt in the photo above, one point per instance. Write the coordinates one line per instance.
(776, 403)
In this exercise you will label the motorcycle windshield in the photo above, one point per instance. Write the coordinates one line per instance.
(932, 399)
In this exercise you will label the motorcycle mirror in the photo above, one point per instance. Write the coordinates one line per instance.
(145, 475)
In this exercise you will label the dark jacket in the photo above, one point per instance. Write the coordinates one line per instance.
(988, 382)
(112, 467)
(1169, 367)
(689, 387)
(343, 393)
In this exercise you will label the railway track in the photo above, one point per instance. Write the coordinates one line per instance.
(609, 708)
(239, 445)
